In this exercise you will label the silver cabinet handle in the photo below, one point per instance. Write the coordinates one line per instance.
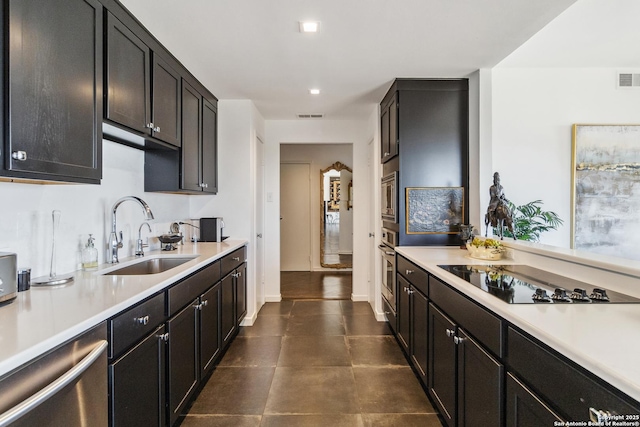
(205, 303)
(450, 332)
(163, 337)
(26, 406)
(599, 416)
(405, 289)
(236, 258)
(149, 126)
(157, 129)
(387, 313)
(457, 340)
(408, 272)
(410, 291)
(19, 155)
(386, 154)
(143, 320)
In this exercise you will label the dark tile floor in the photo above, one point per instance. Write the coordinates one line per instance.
(313, 363)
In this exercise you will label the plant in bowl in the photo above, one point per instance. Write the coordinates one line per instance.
(487, 249)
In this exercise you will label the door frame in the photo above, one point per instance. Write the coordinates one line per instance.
(310, 228)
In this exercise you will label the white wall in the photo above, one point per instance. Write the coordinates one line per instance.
(533, 113)
(25, 217)
(239, 124)
(319, 156)
(358, 133)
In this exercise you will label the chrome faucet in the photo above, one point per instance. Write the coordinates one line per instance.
(114, 242)
(139, 245)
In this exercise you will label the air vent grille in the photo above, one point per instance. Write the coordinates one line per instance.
(310, 115)
(628, 80)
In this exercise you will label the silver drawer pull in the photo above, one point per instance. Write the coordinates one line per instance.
(457, 340)
(599, 416)
(236, 258)
(450, 332)
(149, 126)
(205, 303)
(408, 272)
(46, 393)
(19, 155)
(163, 337)
(144, 320)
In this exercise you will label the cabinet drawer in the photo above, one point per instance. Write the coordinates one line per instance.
(184, 292)
(570, 389)
(129, 326)
(414, 274)
(233, 260)
(480, 323)
(390, 314)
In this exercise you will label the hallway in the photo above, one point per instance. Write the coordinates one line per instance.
(313, 363)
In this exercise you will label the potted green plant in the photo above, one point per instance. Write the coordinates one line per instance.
(529, 221)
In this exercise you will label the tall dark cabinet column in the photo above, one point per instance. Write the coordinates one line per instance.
(429, 120)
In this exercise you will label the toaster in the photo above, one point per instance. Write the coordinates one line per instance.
(8, 276)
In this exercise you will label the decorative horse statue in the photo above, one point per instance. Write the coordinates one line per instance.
(498, 218)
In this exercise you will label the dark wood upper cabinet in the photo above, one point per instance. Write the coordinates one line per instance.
(166, 115)
(52, 127)
(191, 136)
(209, 147)
(128, 78)
(389, 129)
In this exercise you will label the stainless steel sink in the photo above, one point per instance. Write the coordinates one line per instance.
(148, 266)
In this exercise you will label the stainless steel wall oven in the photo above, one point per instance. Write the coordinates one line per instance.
(389, 197)
(388, 267)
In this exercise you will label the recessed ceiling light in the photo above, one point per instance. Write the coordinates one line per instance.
(314, 91)
(309, 26)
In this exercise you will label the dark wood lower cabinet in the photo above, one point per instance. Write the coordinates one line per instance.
(404, 313)
(227, 320)
(525, 409)
(420, 333)
(442, 364)
(137, 384)
(209, 328)
(240, 286)
(182, 359)
(480, 378)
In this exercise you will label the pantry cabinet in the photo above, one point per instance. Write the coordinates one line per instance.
(53, 111)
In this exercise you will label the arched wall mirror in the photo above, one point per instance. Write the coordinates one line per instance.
(336, 216)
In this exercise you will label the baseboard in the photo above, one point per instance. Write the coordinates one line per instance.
(345, 252)
(273, 298)
(249, 321)
(380, 317)
(359, 297)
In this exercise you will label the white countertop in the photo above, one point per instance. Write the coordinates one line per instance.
(42, 318)
(603, 338)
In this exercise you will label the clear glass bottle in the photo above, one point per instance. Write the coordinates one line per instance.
(90, 255)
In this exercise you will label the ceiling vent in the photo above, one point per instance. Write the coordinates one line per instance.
(629, 80)
(310, 116)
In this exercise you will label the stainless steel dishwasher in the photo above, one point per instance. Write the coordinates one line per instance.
(64, 387)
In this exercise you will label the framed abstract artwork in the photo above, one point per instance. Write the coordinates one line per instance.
(605, 194)
(434, 210)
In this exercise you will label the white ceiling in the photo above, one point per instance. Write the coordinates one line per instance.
(252, 49)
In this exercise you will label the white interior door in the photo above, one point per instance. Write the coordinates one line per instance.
(295, 223)
(259, 226)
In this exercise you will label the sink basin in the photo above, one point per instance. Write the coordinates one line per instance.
(148, 266)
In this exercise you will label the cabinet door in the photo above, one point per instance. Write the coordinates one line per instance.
(209, 147)
(227, 308)
(241, 292)
(419, 332)
(183, 359)
(166, 102)
(404, 313)
(384, 134)
(209, 328)
(393, 127)
(137, 384)
(480, 379)
(525, 409)
(191, 119)
(55, 90)
(128, 78)
(442, 364)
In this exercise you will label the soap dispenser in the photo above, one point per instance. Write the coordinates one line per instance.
(90, 255)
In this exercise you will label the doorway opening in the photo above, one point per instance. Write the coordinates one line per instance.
(316, 221)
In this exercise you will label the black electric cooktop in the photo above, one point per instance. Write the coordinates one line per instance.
(522, 284)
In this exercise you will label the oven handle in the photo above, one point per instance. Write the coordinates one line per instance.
(40, 397)
(383, 248)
